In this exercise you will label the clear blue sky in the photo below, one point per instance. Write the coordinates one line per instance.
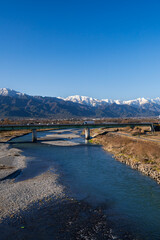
(98, 48)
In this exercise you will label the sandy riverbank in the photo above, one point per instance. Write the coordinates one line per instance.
(60, 138)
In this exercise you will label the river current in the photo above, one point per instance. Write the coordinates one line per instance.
(130, 200)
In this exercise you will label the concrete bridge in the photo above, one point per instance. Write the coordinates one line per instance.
(87, 127)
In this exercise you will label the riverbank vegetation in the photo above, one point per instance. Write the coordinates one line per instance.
(137, 147)
(5, 136)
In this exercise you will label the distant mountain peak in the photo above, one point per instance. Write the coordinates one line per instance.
(10, 92)
(83, 100)
(96, 102)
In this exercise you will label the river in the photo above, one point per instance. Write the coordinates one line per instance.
(130, 200)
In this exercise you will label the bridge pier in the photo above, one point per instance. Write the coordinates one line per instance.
(152, 128)
(34, 135)
(87, 133)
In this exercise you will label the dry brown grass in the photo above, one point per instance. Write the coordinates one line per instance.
(8, 135)
(139, 150)
(127, 120)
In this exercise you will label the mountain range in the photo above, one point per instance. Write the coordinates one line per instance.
(96, 102)
(16, 104)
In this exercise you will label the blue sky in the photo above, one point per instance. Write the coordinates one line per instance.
(98, 48)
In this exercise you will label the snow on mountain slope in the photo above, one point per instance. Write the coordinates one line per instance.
(10, 92)
(156, 100)
(138, 101)
(96, 102)
(89, 100)
(83, 100)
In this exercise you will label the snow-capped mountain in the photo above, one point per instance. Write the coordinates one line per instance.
(83, 100)
(96, 102)
(93, 102)
(10, 92)
(142, 101)
(73, 106)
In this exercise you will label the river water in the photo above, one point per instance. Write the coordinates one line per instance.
(130, 200)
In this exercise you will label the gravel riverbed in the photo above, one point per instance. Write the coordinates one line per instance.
(17, 196)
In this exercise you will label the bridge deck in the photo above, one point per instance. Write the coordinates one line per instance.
(64, 126)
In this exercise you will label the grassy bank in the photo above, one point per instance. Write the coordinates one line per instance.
(143, 155)
(5, 136)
